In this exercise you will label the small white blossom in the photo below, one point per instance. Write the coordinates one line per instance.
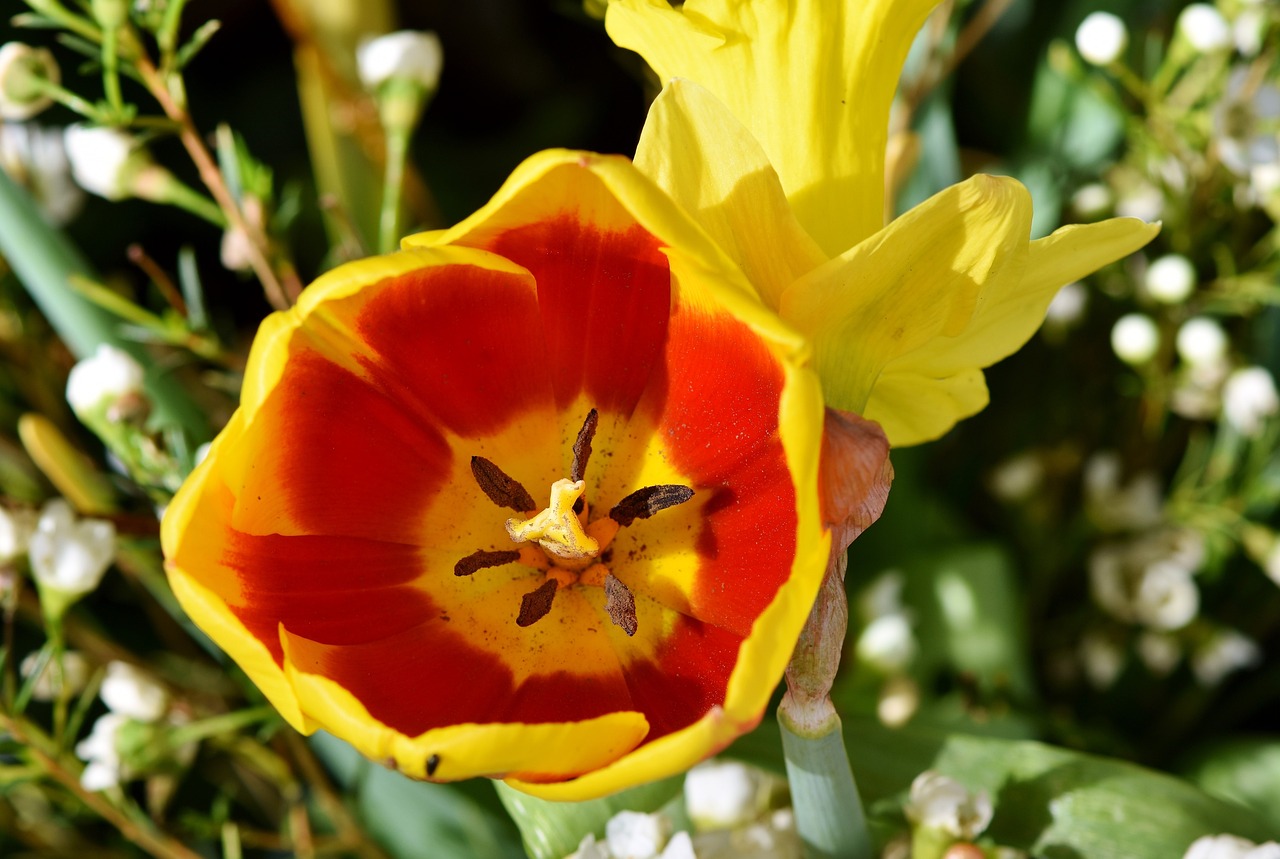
(721, 794)
(21, 68)
(1230, 847)
(883, 596)
(1017, 478)
(1247, 29)
(1101, 38)
(53, 680)
(16, 528)
(1166, 597)
(1067, 308)
(406, 55)
(1101, 658)
(134, 693)
(70, 555)
(1135, 338)
(1204, 28)
(633, 835)
(108, 375)
(1201, 342)
(898, 702)
(1225, 652)
(35, 158)
(1244, 121)
(887, 643)
(1144, 202)
(1159, 651)
(1114, 506)
(941, 803)
(100, 750)
(1248, 399)
(1170, 279)
(1148, 580)
(1092, 200)
(679, 847)
(104, 160)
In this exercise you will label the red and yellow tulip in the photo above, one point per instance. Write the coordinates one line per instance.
(548, 496)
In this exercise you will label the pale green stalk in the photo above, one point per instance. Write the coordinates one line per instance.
(824, 796)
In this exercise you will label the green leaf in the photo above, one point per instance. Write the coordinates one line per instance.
(552, 830)
(1245, 771)
(411, 819)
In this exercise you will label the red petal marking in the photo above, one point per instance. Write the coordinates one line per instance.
(462, 345)
(720, 424)
(340, 590)
(432, 676)
(338, 457)
(605, 297)
(688, 679)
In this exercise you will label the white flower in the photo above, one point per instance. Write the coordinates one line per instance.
(1201, 342)
(1248, 399)
(1244, 123)
(71, 677)
(1101, 38)
(107, 376)
(721, 794)
(1170, 279)
(1092, 200)
(1264, 182)
(1148, 580)
(887, 643)
(35, 158)
(632, 835)
(1204, 28)
(21, 68)
(132, 692)
(898, 702)
(1017, 478)
(1102, 659)
(1166, 597)
(679, 847)
(941, 803)
(104, 160)
(100, 750)
(405, 55)
(1224, 652)
(1230, 847)
(1159, 651)
(1144, 202)
(16, 528)
(1135, 338)
(1248, 28)
(883, 596)
(1067, 307)
(67, 555)
(1116, 507)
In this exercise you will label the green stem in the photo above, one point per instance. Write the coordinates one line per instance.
(167, 35)
(393, 189)
(828, 810)
(68, 99)
(111, 71)
(185, 197)
(226, 723)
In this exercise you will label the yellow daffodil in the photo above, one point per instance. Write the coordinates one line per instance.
(548, 496)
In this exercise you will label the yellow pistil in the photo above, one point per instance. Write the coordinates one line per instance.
(557, 529)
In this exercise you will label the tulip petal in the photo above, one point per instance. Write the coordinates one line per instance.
(824, 121)
(698, 152)
(887, 297)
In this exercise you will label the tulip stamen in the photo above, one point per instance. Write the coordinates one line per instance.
(645, 502)
(536, 604)
(501, 489)
(483, 559)
(582, 446)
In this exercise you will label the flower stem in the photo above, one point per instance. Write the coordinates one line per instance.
(392, 189)
(828, 810)
(225, 723)
(111, 70)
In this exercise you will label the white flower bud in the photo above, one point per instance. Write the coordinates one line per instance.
(1248, 399)
(1145, 202)
(1225, 652)
(632, 835)
(22, 67)
(1204, 28)
(1092, 200)
(1248, 28)
(1230, 847)
(1101, 658)
(887, 643)
(898, 702)
(405, 55)
(104, 160)
(721, 794)
(107, 376)
(1135, 339)
(941, 803)
(101, 751)
(679, 847)
(70, 556)
(1166, 597)
(1171, 279)
(1017, 478)
(1201, 342)
(53, 680)
(16, 528)
(132, 692)
(1101, 38)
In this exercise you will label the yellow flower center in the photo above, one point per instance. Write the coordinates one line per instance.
(558, 529)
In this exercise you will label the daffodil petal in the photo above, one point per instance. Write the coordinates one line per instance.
(913, 408)
(698, 152)
(921, 277)
(823, 121)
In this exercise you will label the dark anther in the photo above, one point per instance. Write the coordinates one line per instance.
(502, 490)
(433, 763)
(481, 559)
(620, 604)
(535, 605)
(582, 447)
(643, 503)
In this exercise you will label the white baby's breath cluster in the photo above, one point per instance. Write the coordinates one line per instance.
(1231, 847)
(36, 159)
(54, 677)
(103, 379)
(940, 803)
(134, 700)
(406, 55)
(69, 555)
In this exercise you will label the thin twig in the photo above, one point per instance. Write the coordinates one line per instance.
(156, 843)
(280, 295)
(159, 277)
(348, 828)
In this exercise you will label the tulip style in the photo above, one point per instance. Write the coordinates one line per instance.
(549, 496)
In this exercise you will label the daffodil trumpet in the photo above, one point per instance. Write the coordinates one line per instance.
(744, 340)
